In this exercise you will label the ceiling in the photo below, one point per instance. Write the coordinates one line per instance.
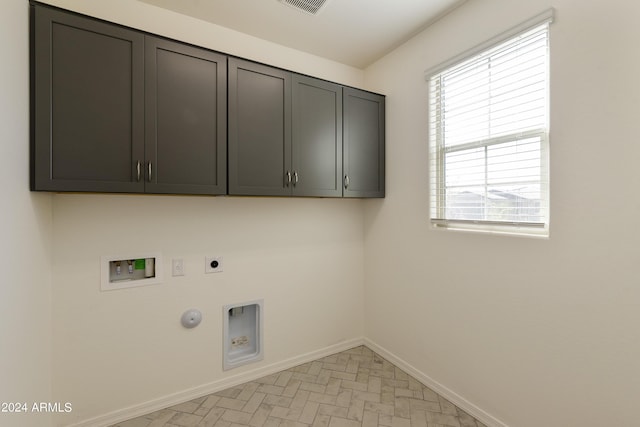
(352, 32)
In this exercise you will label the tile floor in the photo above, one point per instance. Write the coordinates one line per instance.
(355, 388)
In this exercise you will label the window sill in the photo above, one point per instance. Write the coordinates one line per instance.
(539, 232)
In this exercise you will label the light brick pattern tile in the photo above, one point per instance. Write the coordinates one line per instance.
(355, 388)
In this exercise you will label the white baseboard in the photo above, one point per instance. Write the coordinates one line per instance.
(450, 395)
(232, 381)
(213, 387)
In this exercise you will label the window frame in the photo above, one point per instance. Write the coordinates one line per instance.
(437, 150)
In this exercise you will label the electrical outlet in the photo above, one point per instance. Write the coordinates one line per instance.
(213, 264)
(177, 267)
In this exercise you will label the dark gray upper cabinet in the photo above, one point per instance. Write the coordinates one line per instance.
(259, 129)
(317, 138)
(118, 111)
(185, 119)
(285, 133)
(87, 105)
(364, 136)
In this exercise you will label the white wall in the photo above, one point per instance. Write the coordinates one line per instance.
(304, 257)
(25, 237)
(124, 347)
(535, 332)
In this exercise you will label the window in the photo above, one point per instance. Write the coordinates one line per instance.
(488, 137)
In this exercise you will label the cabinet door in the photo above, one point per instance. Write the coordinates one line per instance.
(88, 104)
(185, 119)
(363, 144)
(317, 138)
(259, 129)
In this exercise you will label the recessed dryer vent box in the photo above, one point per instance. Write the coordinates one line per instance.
(129, 271)
(242, 334)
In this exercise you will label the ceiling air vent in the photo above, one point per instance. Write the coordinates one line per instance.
(311, 7)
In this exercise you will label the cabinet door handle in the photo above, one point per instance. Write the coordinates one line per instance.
(138, 170)
(346, 181)
(295, 178)
(288, 180)
(150, 174)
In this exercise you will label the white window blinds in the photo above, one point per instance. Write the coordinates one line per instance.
(489, 134)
